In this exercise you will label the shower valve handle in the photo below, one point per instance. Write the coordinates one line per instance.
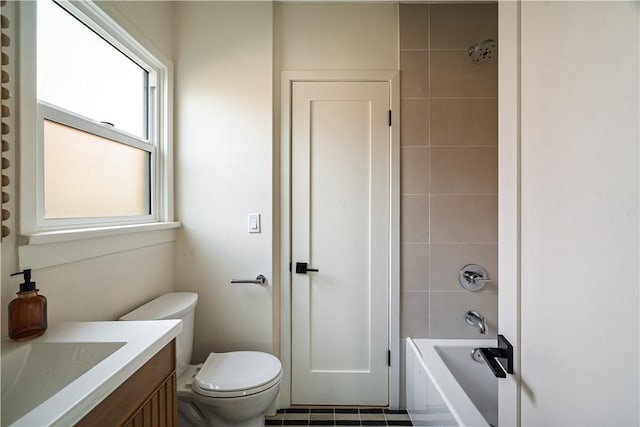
(474, 277)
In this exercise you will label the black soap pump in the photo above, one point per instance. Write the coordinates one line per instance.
(28, 312)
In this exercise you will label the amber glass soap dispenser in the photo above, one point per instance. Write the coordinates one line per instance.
(28, 312)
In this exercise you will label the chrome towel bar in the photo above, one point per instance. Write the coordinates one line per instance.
(258, 281)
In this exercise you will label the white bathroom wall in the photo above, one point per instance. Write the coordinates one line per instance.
(223, 149)
(153, 20)
(106, 287)
(580, 196)
(335, 36)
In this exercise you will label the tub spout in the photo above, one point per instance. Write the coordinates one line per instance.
(476, 319)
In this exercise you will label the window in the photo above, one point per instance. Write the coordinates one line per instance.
(102, 148)
(86, 175)
(81, 72)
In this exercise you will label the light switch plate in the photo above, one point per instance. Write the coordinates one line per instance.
(254, 223)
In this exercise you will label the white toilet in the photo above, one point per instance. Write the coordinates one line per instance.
(228, 389)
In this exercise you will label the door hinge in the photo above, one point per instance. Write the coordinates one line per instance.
(389, 117)
(289, 267)
(388, 357)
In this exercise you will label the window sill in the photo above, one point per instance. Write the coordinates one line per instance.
(51, 248)
(58, 236)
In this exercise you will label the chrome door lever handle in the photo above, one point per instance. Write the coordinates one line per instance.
(258, 281)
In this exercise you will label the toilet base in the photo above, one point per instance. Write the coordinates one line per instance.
(255, 422)
(192, 414)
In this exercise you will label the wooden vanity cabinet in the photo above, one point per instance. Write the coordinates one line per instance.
(146, 398)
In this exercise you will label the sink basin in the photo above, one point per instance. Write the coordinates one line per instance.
(59, 377)
(33, 372)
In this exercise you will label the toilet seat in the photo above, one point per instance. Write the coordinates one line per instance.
(237, 373)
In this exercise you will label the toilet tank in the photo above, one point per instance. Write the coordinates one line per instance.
(174, 305)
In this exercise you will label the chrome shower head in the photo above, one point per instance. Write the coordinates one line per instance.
(483, 51)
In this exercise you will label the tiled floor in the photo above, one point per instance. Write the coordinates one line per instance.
(339, 417)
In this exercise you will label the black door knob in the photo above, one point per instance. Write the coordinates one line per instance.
(303, 268)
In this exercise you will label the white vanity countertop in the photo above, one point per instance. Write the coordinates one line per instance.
(142, 340)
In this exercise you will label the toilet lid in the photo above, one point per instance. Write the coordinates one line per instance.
(237, 373)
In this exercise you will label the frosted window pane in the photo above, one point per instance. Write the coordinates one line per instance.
(89, 176)
(81, 72)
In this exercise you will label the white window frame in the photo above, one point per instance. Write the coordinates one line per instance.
(56, 114)
(33, 224)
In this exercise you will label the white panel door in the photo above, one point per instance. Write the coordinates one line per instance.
(580, 197)
(340, 226)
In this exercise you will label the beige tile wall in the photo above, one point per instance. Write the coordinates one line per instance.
(449, 167)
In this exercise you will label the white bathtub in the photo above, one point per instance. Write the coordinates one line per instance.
(446, 387)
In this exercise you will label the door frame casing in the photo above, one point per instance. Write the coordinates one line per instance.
(509, 191)
(287, 80)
